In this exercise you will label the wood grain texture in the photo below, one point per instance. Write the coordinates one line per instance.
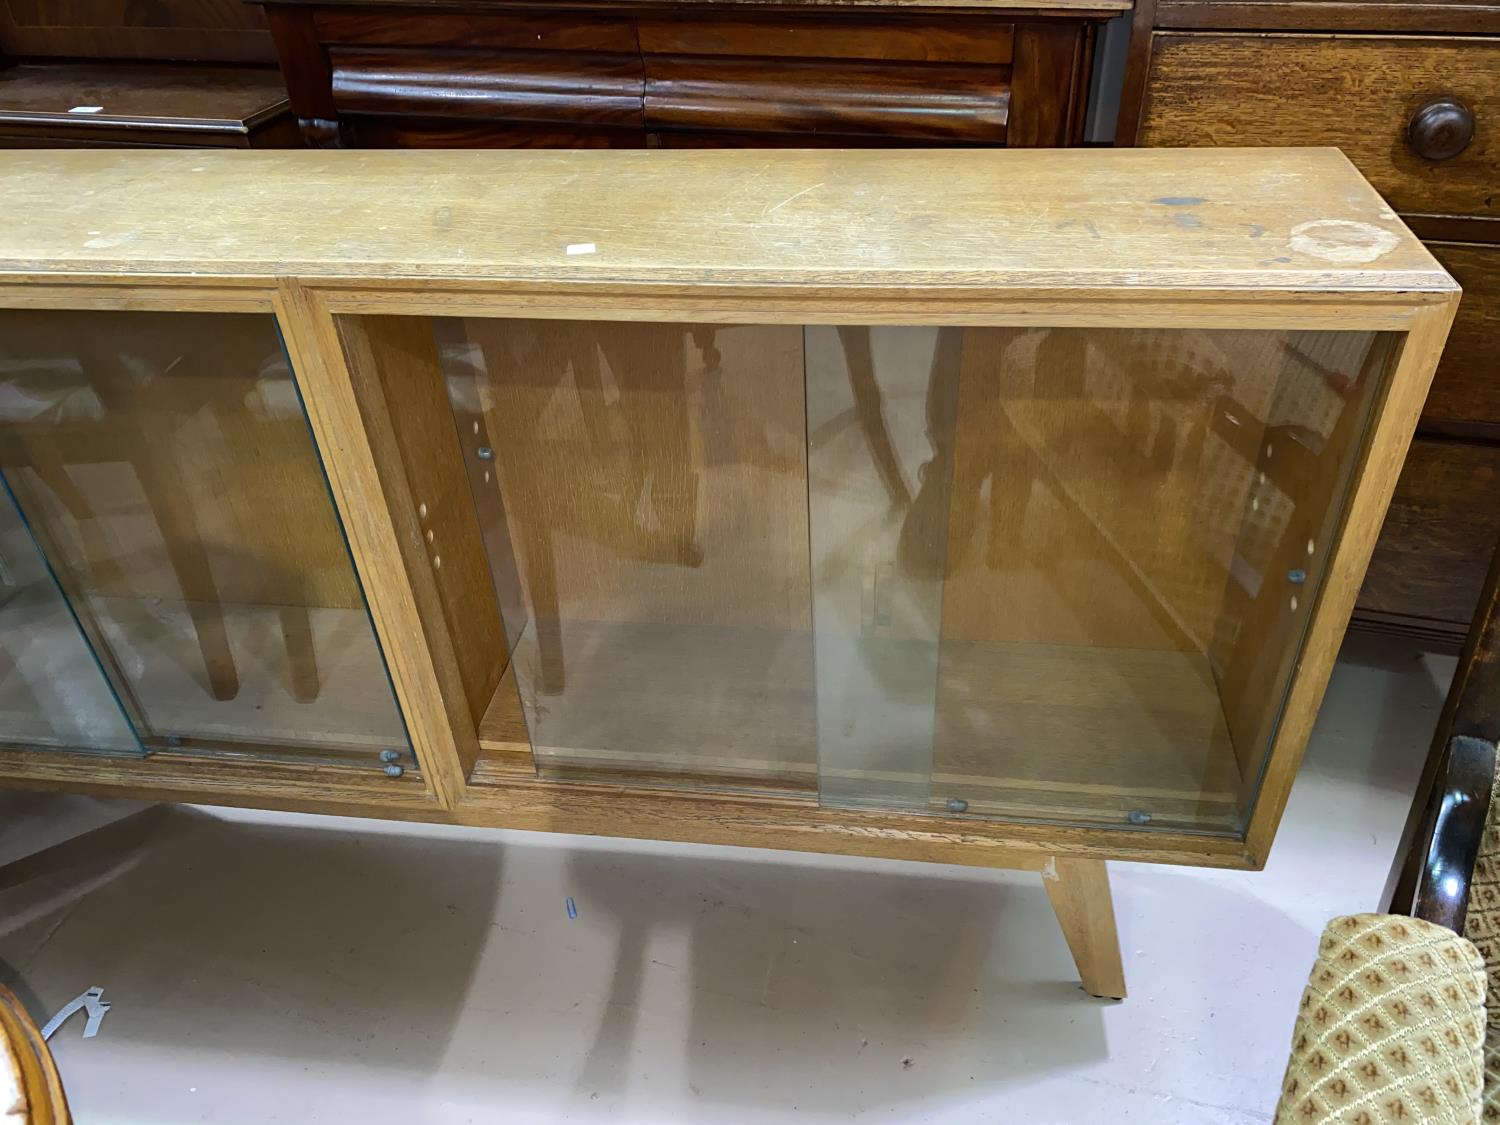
(268, 783)
(896, 37)
(583, 89)
(501, 796)
(400, 131)
(166, 30)
(304, 64)
(280, 132)
(1466, 388)
(1443, 17)
(510, 217)
(1453, 228)
(1079, 890)
(1210, 89)
(401, 353)
(350, 418)
(516, 29)
(191, 100)
(1430, 562)
(690, 139)
(927, 101)
(1137, 70)
(498, 794)
(1049, 85)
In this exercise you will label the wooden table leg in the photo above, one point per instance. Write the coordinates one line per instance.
(1079, 890)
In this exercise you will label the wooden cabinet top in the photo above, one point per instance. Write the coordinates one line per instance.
(203, 99)
(946, 222)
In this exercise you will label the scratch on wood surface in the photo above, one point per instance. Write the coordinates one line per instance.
(788, 199)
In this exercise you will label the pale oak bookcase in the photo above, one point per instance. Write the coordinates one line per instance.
(1000, 508)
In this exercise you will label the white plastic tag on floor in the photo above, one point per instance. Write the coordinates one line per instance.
(93, 1001)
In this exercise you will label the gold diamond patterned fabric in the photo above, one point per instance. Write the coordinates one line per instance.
(1482, 926)
(1492, 1074)
(1391, 1028)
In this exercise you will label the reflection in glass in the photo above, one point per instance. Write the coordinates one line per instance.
(52, 692)
(652, 480)
(165, 463)
(1089, 610)
(1025, 573)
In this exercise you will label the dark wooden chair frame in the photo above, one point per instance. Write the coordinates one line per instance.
(1435, 861)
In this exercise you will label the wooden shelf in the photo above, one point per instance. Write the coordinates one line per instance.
(681, 703)
(1074, 734)
(328, 703)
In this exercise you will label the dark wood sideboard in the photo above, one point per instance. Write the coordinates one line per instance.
(1410, 92)
(492, 73)
(139, 73)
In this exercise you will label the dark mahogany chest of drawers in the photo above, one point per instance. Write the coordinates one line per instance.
(488, 73)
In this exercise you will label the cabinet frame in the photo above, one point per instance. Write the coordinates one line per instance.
(400, 589)
(959, 238)
(965, 238)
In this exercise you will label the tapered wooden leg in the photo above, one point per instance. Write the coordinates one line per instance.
(1079, 890)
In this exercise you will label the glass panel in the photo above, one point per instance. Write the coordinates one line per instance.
(1063, 574)
(1043, 574)
(166, 466)
(651, 481)
(52, 692)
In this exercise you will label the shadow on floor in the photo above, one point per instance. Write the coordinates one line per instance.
(282, 946)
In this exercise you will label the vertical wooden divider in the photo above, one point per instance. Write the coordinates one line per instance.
(352, 425)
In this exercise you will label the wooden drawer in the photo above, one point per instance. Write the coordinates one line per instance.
(1356, 92)
(592, 89)
(1466, 389)
(807, 97)
(932, 79)
(484, 73)
(1434, 550)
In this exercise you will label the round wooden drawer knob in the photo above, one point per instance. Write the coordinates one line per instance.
(1441, 129)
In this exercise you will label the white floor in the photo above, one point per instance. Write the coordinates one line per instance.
(300, 969)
